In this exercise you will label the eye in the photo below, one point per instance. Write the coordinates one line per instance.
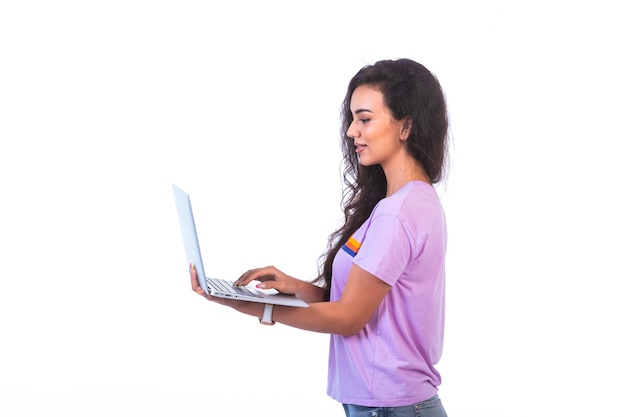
(364, 120)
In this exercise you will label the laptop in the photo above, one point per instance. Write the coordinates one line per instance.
(215, 286)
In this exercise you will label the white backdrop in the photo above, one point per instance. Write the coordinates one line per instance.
(103, 105)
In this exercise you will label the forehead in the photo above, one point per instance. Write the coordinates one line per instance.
(367, 97)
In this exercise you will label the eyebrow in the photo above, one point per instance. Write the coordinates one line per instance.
(362, 110)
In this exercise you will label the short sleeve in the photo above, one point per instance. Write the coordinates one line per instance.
(386, 249)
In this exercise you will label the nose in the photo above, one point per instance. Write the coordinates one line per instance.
(352, 131)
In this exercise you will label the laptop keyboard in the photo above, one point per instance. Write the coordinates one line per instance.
(227, 287)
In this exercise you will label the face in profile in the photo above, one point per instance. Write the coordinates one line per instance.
(378, 136)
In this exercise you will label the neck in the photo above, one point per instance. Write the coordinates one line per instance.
(399, 176)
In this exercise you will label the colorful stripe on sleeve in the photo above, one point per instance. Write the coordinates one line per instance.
(352, 246)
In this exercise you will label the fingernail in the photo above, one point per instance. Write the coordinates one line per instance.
(260, 285)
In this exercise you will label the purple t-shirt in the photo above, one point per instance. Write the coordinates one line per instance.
(390, 363)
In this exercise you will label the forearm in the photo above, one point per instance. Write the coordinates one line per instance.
(325, 317)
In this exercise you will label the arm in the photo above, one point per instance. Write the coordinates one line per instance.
(347, 316)
(360, 299)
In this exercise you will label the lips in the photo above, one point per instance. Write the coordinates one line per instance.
(359, 147)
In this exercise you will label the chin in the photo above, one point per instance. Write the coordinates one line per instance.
(365, 162)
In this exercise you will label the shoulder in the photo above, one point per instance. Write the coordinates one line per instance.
(414, 198)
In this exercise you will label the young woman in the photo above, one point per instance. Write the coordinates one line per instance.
(380, 293)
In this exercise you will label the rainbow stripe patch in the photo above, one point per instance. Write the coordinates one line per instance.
(352, 246)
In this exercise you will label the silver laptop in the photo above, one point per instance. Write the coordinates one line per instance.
(214, 286)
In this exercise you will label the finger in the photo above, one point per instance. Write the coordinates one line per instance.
(269, 285)
(259, 274)
(244, 277)
(193, 274)
(248, 277)
(240, 281)
(279, 286)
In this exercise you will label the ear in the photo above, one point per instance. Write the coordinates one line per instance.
(407, 125)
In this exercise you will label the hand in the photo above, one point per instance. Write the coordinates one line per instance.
(253, 309)
(271, 278)
(195, 286)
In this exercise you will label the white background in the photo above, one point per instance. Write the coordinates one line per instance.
(103, 105)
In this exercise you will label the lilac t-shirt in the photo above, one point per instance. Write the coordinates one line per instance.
(390, 362)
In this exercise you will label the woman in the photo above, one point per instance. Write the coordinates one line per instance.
(380, 293)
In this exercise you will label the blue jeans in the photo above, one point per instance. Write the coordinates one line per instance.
(429, 408)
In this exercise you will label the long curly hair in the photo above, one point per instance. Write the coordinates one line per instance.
(409, 90)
